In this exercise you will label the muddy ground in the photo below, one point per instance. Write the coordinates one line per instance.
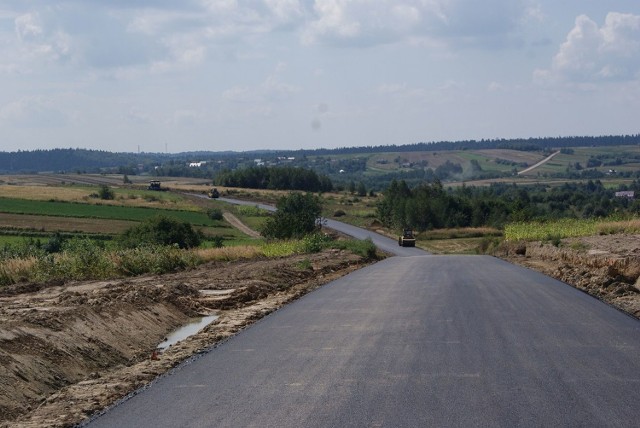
(607, 267)
(69, 350)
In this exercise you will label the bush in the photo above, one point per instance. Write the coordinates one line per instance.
(105, 192)
(162, 230)
(315, 243)
(217, 241)
(339, 213)
(156, 259)
(54, 244)
(215, 213)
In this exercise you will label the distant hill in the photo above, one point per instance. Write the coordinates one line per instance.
(83, 160)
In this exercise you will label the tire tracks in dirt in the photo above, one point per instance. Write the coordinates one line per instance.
(235, 222)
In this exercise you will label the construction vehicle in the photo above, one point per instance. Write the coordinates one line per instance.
(407, 239)
(154, 185)
(213, 193)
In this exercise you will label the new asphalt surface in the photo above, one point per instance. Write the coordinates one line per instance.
(415, 341)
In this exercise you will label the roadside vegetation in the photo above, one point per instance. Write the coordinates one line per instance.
(160, 241)
(569, 228)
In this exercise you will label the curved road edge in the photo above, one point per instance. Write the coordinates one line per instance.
(385, 244)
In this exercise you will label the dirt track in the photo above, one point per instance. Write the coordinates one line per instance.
(235, 222)
(69, 350)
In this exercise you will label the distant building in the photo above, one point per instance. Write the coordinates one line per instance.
(626, 194)
(197, 164)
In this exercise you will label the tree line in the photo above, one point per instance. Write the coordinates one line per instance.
(276, 177)
(524, 144)
(429, 206)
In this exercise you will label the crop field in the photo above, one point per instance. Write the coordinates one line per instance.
(499, 160)
(582, 155)
(111, 212)
(113, 180)
(63, 224)
(83, 194)
(37, 210)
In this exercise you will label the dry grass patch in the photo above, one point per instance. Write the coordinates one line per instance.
(16, 270)
(45, 193)
(466, 232)
(241, 252)
(452, 246)
(626, 226)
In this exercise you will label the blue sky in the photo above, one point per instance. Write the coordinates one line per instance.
(288, 74)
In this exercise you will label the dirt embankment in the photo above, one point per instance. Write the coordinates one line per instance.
(69, 350)
(607, 267)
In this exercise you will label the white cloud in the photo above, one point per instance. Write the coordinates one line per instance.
(38, 41)
(272, 89)
(594, 54)
(33, 112)
(495, 87)
(28, 26)
(137, 116)
(187, 117)
(238, 94)
(458, 22)
(285, 11)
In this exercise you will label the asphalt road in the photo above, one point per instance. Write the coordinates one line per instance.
(423, 341)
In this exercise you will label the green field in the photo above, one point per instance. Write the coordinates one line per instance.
(111, 212)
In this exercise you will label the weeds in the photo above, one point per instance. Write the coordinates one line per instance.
(304, 264)
(85, 259)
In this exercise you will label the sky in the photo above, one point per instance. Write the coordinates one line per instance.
(216, 75)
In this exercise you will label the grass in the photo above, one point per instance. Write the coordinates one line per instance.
(567, 228)
(252, 216)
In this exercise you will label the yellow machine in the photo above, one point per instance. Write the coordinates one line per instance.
(407, 239)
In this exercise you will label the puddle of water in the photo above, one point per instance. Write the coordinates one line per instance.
(217, 292)
(187, 330)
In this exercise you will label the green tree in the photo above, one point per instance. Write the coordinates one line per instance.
(297, 215)
(105, 192)
(362, 190)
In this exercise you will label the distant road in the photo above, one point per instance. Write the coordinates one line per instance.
(423, 341)
(542, 162)
(385, 244)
